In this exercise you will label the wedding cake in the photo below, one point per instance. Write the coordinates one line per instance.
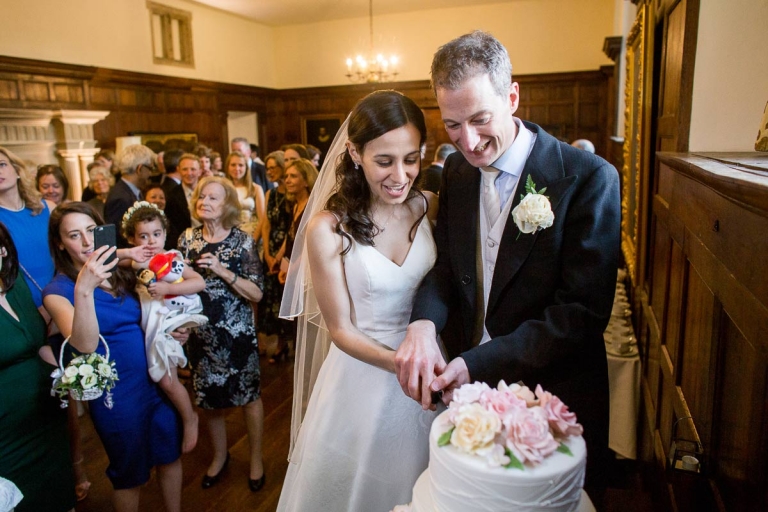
(503, 449)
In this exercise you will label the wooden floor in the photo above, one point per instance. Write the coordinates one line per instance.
(231, 494)
(625, 494)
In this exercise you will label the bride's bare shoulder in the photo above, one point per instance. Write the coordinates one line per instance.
(321, 230)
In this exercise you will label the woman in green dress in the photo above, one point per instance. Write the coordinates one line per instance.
(34, 450)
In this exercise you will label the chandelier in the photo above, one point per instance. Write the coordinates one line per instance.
(375, 68)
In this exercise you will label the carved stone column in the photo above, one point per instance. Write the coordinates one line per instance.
(28, 134)
(60, 137)
(76, 145)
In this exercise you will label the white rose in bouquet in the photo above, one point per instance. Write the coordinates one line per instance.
(89, 381)
(105, 370)
(85, 370)
(71, 372)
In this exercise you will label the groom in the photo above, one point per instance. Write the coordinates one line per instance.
(512, 304)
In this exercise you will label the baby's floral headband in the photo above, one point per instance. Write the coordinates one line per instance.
(138, 205)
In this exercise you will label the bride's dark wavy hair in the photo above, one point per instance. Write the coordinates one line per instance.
(373, 116)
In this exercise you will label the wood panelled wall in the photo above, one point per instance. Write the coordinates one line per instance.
(703, 323)
(570, 105)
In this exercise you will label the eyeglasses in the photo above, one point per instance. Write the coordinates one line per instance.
(152, 169)
(274, 167)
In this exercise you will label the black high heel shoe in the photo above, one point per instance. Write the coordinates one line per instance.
(210, 481)
(256, 485)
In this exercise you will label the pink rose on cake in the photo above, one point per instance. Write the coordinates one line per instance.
(508, 426)
(528, 435)
(562, 421)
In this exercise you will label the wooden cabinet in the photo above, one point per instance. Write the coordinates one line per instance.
(704, 328)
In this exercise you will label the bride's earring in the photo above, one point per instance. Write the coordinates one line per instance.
(357, 166)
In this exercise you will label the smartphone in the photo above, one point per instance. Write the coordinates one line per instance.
(105, 235)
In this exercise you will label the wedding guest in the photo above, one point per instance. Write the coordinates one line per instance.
(276, 223)
(217, 165)
(224, 352)
(362, 247)
(584, 144)
(136, 163)
(26, 214)
(106, 158)
(100, 180)
(250, 194)
(430, 177)
(256, 168)
(204, 153)
(314, 155)
(34, 451)
(300, 177)
(52, 184)
(155, 194)
(89, 298)
(294, 152)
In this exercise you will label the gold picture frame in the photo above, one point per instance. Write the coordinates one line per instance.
(636, 137)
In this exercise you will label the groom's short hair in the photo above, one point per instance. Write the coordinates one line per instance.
(468, 56)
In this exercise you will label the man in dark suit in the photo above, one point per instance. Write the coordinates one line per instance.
(512, 300)
(176, 209)
(430, 177)
(136, 164)
(258, 170)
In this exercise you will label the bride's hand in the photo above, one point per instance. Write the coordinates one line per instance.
(418, 360)
(95, 271)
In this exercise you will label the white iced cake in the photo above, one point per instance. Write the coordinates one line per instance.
(493, 452)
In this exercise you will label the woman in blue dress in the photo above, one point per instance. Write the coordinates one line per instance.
(88, 298)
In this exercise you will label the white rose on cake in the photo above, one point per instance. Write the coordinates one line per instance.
(476, 429)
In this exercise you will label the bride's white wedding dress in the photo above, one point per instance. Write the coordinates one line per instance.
(363, 443)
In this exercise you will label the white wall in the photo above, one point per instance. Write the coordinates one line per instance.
(730, 85)
(542, 36)
(116, 34)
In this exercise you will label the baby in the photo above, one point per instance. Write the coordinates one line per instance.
(168, 292)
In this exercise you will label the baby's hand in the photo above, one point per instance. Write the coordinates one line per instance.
(158, 289)
(141, 253)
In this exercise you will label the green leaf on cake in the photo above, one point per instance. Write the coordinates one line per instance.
(514, 462)
(563, 448)
(445, 438)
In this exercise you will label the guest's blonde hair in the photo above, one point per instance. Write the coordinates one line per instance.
(231, 209)
(28, 192)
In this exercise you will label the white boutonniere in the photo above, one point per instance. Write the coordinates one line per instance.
(534, 211)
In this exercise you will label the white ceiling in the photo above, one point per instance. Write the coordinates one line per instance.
(293, 12)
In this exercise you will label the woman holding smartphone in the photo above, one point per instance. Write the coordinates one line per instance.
(89, 298)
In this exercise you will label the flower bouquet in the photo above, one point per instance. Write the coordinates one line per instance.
(509, 426)
(86, 377)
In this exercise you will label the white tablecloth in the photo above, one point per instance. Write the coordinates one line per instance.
(624, 387)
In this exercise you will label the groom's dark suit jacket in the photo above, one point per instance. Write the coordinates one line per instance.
(552, 291)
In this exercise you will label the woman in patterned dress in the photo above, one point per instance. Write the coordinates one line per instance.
(274, 229)
(224, 352)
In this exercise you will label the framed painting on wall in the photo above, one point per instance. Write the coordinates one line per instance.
(158, 141)
(319, 130)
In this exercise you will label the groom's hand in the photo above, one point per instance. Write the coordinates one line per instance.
(453, 377)
(418, 360)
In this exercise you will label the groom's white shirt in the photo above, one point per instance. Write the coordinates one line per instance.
(511, 164)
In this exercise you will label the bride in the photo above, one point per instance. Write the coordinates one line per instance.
(361, 251)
